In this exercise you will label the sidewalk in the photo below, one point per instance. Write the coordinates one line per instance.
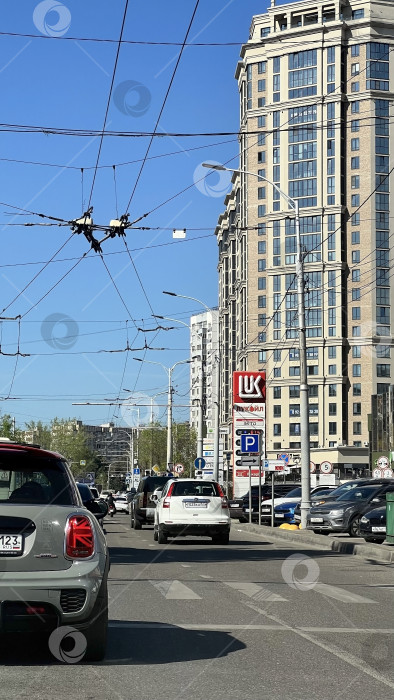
(382, 553)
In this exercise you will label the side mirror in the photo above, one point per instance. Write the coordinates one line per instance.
(376, 500)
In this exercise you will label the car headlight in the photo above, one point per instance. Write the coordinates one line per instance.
(337, 512)
(363, 519)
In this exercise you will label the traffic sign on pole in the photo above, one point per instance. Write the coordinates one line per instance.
(199, 463)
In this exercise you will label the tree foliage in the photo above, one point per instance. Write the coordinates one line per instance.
(152, 446)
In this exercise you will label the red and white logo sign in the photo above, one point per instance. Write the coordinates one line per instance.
(249, 387)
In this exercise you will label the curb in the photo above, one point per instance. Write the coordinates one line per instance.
(371, 552)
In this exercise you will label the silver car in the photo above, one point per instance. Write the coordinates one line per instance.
(53, 554)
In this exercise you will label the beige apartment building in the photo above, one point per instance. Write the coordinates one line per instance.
(316, 83)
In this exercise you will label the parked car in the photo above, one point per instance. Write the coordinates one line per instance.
(53, 552)
(373, 525)
(343, 514)
(121, 504)
(266, 492)
(192, 507)
(292, 496)
(141, 506)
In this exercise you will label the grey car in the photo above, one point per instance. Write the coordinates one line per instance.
(53, 553)
(343, 514)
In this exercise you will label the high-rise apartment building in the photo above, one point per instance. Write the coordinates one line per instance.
(316, 93)
(204, 365)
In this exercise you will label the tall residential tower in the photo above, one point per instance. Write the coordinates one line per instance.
(316, 90)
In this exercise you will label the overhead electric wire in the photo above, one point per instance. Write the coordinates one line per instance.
(123, 41)
(163, 103)
(108, 100)
(117, 290)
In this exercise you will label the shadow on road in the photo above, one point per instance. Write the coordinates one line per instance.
(132, 643)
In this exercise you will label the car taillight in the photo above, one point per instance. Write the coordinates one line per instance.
(222, 496)
(79, 537)
(166, 502)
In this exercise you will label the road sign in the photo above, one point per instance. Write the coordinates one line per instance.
(326, 467)
(250, 443)
(387, 473)
(284, 457)
(82, 462)
(90, 476)
(248, 461)
(136, 470)
(377, 473)
(270, 464)
(179, 468)
(312, 467)
(383, 462)
(156, 468)
(199, 463)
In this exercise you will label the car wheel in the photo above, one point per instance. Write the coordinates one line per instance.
(354, 527)
(373, 540)
(243, 520)
(155, 534)
(137, 525)
(221, 539)
(96, 634)
(162, 537)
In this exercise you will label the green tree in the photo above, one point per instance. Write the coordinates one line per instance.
(152, 446)
(71, 442)
(40, 434)
(7, 428)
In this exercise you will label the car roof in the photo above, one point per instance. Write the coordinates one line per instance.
(34, 450)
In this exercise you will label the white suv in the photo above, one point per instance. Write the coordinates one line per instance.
(192, 507)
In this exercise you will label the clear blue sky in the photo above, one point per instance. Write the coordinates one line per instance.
(65, 83)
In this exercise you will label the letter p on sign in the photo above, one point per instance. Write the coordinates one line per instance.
(250, 443)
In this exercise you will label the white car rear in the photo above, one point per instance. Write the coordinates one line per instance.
(121, 504)
(192, 507)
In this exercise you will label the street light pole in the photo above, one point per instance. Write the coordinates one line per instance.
(169, 371)
(304, 412)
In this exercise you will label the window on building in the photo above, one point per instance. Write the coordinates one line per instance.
(358, 14)
(313, 391)
(332, 352)
(277, 411)
(313, 370)
(356, 294)
(294, 391)
(261, 247)
(357, 409)
(261, 122)
(332, 409)
(295, 429)
(355, 144)
(277, 429)
(355, 237)
(277, 392)
(332, 428)
(356, 256)
(382, 370)
(383, 351)
(356, 313)
(294, 371)
(262, 67)
(355, 106)
(355, 69)
(355, 182)
(355, 275)
(357, 389)
(357, 428)
(277, 372)
(356, 331)
(355, 87)
(356, 370)
(294, 410)
(332, 369)
(355, 50)
(261, 265)
(262, 283)
(355, 163)
(332, 389)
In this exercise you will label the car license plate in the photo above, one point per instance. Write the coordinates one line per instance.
(266, 510)
(279, 515)
(195, 504)
(317, 520)
(11, 544)
(379, 528)
(248, 510)
(234, 505)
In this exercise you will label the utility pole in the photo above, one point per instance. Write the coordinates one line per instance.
(216, 422)
(169, 422)
(200, 415)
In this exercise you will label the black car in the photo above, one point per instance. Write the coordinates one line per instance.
(142, 508)
(98, 508)
(343, 514)
(280, 490)
(373, 525)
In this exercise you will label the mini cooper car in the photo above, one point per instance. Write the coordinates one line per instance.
(53, 553)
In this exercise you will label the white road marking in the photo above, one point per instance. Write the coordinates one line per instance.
(186, 566)
(258, 593)
(230, 626)
(342, 595)
(331, 648)
(175, 590)
(204, 576)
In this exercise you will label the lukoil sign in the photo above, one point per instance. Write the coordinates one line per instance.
(249, 386)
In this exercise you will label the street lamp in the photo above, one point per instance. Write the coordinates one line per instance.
(201, 390)
(304, 418)
(169, 371)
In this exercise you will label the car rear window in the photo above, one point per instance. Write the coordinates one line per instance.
(359, 493)
(27, 479)
(198, 488)
(154, 482)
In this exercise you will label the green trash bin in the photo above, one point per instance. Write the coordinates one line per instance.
(390, 517)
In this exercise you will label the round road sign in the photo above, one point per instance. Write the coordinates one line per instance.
(312, 467)
(387, 473)
(179, 468)
(377, 473)
(326, 467)
(383, 462)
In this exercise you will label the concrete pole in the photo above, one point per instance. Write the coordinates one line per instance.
(200, 418)
(216, 434)
(169, 422)
(304, 408)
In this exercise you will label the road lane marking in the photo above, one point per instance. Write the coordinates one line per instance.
(204, 576)
(341, 594)
(245, 627)
(186, 566)
(175, 590)
(341, 654)
(258, 593)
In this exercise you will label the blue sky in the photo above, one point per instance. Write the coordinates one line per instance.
(65, 83)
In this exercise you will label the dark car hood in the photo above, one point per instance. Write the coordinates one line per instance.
(376, 512)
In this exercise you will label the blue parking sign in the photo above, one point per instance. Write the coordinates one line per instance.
(250, 443)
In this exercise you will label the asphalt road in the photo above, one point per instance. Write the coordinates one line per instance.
(247, 621)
